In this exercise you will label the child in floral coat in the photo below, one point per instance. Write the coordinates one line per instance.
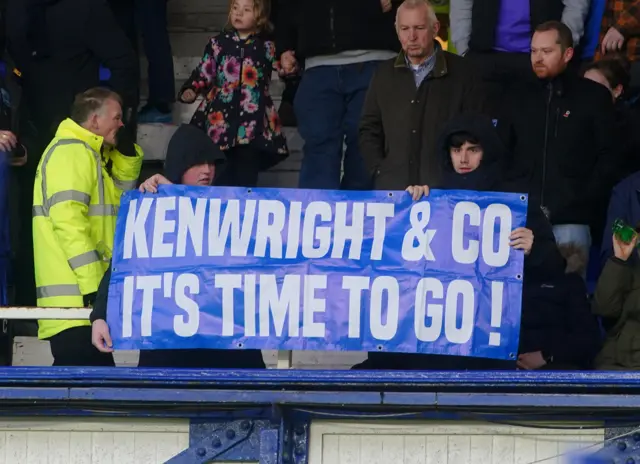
(238, 112)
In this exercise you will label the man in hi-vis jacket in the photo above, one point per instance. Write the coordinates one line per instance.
(77, 190)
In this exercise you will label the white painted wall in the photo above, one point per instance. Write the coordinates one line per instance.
(91, 441)
(443, 443)
(140, 441)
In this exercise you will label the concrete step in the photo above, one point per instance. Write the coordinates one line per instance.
(154, 140)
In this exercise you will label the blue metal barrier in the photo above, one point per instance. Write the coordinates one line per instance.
(265, 416)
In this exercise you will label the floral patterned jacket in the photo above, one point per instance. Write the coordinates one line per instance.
(235, 74)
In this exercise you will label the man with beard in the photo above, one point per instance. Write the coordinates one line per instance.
(561, 133)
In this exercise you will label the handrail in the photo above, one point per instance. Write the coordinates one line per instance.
(31, 313)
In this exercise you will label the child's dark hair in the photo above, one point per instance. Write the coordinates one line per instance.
(616, 70)
(457, 139)
(262, 12)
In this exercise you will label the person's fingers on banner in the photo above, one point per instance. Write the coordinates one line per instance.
(151, 184)
(533, 360)
(522, 239)
(100, 336)
(418, 191)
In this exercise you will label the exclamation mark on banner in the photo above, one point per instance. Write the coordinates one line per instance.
(497, 289)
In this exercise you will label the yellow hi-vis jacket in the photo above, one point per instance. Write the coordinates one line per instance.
(75, 203)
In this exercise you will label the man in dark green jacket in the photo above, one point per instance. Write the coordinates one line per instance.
(410, 99)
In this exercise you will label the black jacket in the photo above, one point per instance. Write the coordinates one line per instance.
(484, 19)
(562, 136)
(628, 119)
(545, 261)
(325, 27)
(58, 45)
(557, 320)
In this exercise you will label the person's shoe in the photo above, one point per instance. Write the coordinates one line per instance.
(153, 114)
(287, 115)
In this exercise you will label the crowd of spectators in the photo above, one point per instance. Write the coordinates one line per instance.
(531, 96)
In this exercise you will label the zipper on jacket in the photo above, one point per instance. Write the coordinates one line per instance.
(555, 126)
(332, 28)
(546, 144)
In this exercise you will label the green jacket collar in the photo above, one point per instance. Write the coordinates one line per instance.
(439, 69)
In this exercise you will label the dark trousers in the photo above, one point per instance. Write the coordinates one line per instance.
(328, 104)
(290, 89)
(72, 347)
(150, 17)
(500, 73)
(241, 168)
(202, 359)
(125, 14)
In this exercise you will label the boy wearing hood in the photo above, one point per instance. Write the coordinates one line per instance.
(557, 329)
(191, 160)
(473, 158)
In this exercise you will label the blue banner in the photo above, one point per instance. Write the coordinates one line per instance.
(286, 269)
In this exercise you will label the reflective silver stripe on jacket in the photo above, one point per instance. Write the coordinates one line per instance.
(103, 210)
(124, 185)
(68, 195)
(94, 210)
(85, 258)
(50, 291)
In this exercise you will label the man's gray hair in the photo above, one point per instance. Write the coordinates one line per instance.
(411, 4)
(91, 101)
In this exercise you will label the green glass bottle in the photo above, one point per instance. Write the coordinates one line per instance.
(623, 231)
